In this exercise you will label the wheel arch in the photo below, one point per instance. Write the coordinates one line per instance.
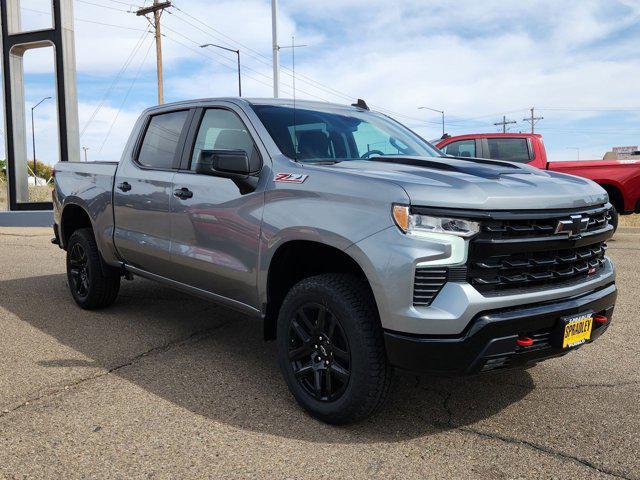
(615, 196)
(72, 218)
(295, 260)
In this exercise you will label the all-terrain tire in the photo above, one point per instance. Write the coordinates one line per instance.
(348, 300)
(91, 285)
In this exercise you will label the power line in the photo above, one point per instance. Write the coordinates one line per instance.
(133, 82)
(104, 6)
(87, 21)
(593, 109)
(115, 80)
(198, 52)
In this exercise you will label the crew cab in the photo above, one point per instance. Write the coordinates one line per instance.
(620, 178)
(359, 247)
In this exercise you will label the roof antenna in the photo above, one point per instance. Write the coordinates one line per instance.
(361, 104)
(293, 68)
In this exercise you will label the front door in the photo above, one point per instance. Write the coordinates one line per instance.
(215, 223)
(143, 193)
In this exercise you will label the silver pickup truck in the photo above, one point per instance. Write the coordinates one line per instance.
(360, 247)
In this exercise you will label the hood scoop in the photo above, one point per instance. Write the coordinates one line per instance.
(489, 169)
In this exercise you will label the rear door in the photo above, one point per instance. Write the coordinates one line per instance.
(143, 193)
(216, 224)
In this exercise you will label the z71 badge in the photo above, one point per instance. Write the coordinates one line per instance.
(290, 177)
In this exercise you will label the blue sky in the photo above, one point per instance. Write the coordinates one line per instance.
(577, 62)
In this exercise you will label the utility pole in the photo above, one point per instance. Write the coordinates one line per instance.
(276, 48)
(85, 153)
(533, 119)
(504, 123)
(157, 8)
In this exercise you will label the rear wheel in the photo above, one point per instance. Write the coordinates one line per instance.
(91, 287)
(331, 350)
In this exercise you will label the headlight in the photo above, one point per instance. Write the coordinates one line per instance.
(415, 224)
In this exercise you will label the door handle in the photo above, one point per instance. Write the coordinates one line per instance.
(183, 193)
(124, 186)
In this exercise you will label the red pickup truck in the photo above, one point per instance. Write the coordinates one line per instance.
(619, 177)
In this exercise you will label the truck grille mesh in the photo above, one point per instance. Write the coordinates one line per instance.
(520, 253)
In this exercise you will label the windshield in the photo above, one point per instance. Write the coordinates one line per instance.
(338, 134)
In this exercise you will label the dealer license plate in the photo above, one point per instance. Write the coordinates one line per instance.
(577, 330)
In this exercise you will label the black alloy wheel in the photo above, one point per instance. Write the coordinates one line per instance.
(319, 352)
(78, 272)
(92, 283)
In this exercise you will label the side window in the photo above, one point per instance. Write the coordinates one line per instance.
(223, 130)
(510, 149)
(461, 148)
(160, 141)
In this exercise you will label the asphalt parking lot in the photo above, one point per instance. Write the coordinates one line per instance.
(162, 385)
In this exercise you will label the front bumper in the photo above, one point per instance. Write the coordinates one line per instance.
(489, 342)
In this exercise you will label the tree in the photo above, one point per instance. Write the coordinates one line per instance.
(42, 169)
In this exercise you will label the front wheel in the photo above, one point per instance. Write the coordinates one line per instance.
(91, 287)
(330, 349)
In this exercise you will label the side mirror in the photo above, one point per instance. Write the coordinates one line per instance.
(224, 163)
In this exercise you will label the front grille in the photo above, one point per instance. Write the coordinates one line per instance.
(521, 270)
(521, 251)
(527, 227)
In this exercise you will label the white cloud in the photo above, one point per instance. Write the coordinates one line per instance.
(469, 58)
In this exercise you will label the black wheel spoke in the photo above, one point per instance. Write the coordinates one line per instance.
(322, 315)
(341, 354)
(317, 342)
(339, 371)
(300, 352)
(317, 382)
(331, 326)
(327, 380)
(303, 371)
(300, 332)
(311, 328)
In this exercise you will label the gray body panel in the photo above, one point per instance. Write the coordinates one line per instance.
(220, 243)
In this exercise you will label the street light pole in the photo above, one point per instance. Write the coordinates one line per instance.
(434, 110)
(33, 140)
(237, 52)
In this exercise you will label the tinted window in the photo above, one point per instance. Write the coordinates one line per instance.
(223, 130)
(510, 149)
(337, 133)
(461, 148)
(161, 139)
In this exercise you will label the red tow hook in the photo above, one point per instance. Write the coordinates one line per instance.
(525, 341)
(601, 319)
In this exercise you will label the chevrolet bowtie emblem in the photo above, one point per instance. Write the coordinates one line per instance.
(573, 226)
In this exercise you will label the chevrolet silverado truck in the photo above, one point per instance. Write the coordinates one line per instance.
(359, 246)
(619, 177)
